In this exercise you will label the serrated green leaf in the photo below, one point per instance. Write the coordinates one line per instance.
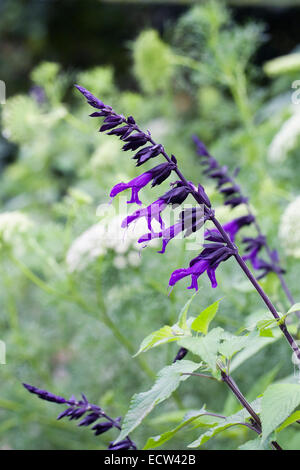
(205, 347)
(203, 320)
(183, 313)
(278, 402)
(167, 382)
(157, 441)
(166, 334)
(290, 420)
(233, 420)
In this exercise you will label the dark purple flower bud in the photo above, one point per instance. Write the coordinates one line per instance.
(203, 198)
(91, 99)
(253, 247)
(110, 122)
(236, 201)
(229, 190)
(122, 132)
(201, 149)
(158, 174)
(131, 120)
(146, 153)
(214, 236)
(44, 395)
(77, 413)
(219, 173)
(89, 419)
(100, 428)
(135, 141)
(122, 445)
(98, 114)
(66, 412)
(177, 195)
(181, 354)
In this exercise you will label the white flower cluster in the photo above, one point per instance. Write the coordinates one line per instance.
(12, 225)
(285, 139)
(104, 236)
(289, 230)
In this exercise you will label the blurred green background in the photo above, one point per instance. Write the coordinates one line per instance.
(74, 310)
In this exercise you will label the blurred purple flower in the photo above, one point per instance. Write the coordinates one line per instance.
(77, 409)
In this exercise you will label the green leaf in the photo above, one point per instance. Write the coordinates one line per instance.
(255, 444)
(278, 402)
(262, 383)
(183, 314)
(169, 417)
(291, 419)
(233, 420)
(294, 308)
(143, 403)
(166, 334)
(233, 345)
(203, 320)
(205, 347)
(157, 441)
(255, 345)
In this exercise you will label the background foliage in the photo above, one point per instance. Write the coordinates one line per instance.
(73, 313)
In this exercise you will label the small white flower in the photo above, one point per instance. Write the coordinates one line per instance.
(87, 247)
(120, 262)
(289, 230)
(102, 237)
(12, 225)
(285, 140)
(134, 258)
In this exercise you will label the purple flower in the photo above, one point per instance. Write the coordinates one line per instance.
(253, 247)
(231, 191)
(153, 212)
(190, 221)
(122, 445)
(146, 153)
(234, 226)
(91, 99)
(77, 409)
(236, 201)
(201, 148)
(100, 428)
(181, 354)
(166, 234)
(44, 395)
(38, 94)
(208, 260)
(134, 141)
(158, 174)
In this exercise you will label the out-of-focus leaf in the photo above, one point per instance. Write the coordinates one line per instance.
(167, 382)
